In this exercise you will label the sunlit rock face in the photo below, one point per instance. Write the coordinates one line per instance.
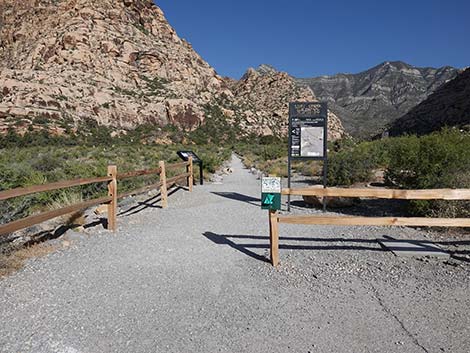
(118, 62)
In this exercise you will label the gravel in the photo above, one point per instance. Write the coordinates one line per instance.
(195, 278)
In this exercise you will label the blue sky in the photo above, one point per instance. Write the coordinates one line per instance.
(311, 38)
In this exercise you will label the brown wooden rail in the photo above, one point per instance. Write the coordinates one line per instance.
(9, 194)
(432, 194)
(177, 165)
(111, 200)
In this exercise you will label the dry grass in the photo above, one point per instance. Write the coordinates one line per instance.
(15, 260)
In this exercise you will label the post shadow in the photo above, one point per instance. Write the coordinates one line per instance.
(254, 201)
(223, 240)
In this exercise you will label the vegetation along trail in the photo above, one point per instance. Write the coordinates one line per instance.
(195, 278)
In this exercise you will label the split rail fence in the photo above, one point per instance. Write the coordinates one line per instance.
(111, 199)
(431, 194)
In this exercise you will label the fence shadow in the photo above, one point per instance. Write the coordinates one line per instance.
(151, 202)
(355, 244)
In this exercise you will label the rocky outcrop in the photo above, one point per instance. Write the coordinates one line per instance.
(370, 100)
(118, 62)
(265, 94)
(448, 106)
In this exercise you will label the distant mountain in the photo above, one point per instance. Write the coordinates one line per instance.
(370, 100)
(449, 105)
(263, 95)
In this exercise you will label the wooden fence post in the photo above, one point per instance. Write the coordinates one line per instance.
(189, 169)
(112, 192)
(274, 237)
(163, 188)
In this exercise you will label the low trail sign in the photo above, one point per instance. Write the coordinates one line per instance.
(271, 193)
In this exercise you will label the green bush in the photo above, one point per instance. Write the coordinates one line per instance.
(438, 160)
(21, 167)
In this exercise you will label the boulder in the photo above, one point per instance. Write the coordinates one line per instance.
(332, 202)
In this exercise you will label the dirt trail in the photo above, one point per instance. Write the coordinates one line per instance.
(194, 278)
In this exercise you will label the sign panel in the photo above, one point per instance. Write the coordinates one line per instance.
(308, 130)
(184, 155)
(271, 193)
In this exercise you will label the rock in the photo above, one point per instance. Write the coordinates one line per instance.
(118, 62)
(332, 202)
(101, 209)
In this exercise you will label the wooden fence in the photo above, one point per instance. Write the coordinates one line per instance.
(111, 200)
(433, 194)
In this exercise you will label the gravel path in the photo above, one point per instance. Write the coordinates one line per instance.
(194, 278)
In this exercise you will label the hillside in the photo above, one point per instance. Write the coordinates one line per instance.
(449, 105)
(369, 100)
(116, 62)
(265, 93)
(66, 63)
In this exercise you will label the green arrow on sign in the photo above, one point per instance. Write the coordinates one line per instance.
(269, 200)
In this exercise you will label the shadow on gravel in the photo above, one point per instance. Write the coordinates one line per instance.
(223, 240)
(149, 203)
(239, 197)
(358, 244)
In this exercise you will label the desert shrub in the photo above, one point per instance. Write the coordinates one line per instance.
(356, 162)
(438, 160)
(21, 167)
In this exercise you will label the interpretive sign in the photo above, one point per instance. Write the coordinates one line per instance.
(184, 155)
(308, 130)
(271, 193)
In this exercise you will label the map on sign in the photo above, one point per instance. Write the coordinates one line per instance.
(312, 141)
(271, 185)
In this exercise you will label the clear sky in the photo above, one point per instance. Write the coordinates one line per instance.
(310, 38)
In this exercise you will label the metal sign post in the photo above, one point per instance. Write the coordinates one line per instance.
(184, 155)
(308, 137)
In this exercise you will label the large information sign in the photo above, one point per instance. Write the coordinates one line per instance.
(308, 133)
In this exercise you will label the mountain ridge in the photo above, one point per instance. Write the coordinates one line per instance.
(369, 100)
(448, 106)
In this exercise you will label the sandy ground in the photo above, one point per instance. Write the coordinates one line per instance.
(195, 278)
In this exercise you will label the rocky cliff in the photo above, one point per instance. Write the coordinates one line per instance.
(117, 62)
(448, 106)
(264, 95)
(370, 100)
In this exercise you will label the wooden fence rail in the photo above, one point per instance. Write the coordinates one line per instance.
(111, 200)
(432, 194)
